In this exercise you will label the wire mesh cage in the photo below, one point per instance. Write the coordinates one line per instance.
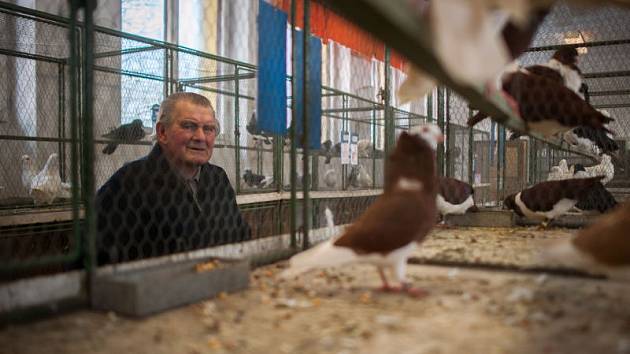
(270, 177)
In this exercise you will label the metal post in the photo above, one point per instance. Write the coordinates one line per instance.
(237, 131)
(430, 107)
(87, 145)
(305, 120)
(448, 142)
(390, 134)
(373, 138)
(293, 156)
(345, 125)
(471, 152)
(500, 160)
(61, 111)
(440, 122)
(74, 77)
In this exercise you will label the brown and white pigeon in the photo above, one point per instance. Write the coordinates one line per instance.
(46, 185)
(455, 197)
(602, 247)
(548, 200)
(547, 106)
(388, 231)
(562, 68)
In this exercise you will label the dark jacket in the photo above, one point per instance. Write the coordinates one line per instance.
(146, 210)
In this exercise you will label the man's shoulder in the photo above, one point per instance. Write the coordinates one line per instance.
(135, 166)
(214, 168)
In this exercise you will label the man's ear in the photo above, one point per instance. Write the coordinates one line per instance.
(160, 132)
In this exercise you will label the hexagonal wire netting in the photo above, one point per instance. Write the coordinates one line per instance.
(252, 167)
(498, 171)
(143, 207)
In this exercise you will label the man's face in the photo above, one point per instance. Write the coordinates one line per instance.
(188, 140)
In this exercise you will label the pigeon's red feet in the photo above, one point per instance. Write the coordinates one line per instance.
(414, 292)
(406, 288)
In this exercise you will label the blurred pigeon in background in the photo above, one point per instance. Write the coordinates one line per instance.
(359, 177)
(46, 185)
(604, 168)
(256, 180)
(455, 197)
(257, 134)
(126, 133)
(328, 150)
(559, 172)
(596, 141)
(330, 178)
(389, 230)
(598, 198)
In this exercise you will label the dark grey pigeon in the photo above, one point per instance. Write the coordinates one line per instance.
(126, 133)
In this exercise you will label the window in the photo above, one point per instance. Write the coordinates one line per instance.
(139, 95)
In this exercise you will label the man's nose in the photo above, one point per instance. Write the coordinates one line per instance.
(199, 134)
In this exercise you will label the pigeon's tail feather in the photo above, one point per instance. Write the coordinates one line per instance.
(109, 149)
(324, 255)
(472, 209)
(477, 118)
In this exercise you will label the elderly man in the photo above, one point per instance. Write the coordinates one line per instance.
(172, 200)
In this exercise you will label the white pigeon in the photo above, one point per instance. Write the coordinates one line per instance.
(559, 172)
(28, 172)
(46, 185)
(66, 190)
(604, 168)
(364, 177)
(330, 178)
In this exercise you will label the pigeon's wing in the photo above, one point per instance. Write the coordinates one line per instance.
(543, 196)
(541, 99)
(109, 148)
(547, 72)
(597, 198)
(390, 223)
(454, 191)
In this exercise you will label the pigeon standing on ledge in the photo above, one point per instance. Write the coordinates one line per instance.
(387, 232)
(28, 172)
(257, 134)
(256, 180)
(546, 201)
(126, 133)
(46, 185)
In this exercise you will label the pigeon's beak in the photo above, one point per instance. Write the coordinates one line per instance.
(440, 138)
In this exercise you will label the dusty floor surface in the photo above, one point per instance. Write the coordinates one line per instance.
(342, 311)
